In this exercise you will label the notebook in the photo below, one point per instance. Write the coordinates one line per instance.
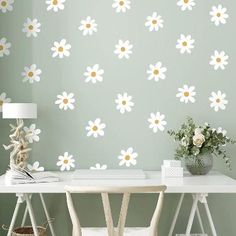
(109, 174)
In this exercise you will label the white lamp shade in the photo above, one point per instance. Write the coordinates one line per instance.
(19, 111)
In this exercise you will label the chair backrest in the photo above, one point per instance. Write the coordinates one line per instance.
(104, 191)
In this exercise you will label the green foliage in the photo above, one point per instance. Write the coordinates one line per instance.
(199, 140)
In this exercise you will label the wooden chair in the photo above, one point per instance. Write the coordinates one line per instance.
(120, 230)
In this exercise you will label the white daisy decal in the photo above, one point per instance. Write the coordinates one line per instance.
(95, 128)
(4, 47)
(55, 5)
(31, 74)
(218, 15)
(218, 100)
(128, 157)
(123, 49)
(121, 5)
(6, 5)
(32, 133)
(61, 49)
(66, 162)
(94, 74)
(157, 122)
(35, 167)
(156, 72)
(124, 103)
(88, 26)
(186, 94)
(65, 101)
(3, 99)
(154, 22)
(31, 27)
(185, 43)
(219, 60)
(186, 4)
(98, 167)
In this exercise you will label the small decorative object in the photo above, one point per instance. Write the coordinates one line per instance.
(171, 169)
(199, 144)
(18, 138)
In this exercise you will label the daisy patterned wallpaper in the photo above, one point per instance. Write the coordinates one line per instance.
(111, 77)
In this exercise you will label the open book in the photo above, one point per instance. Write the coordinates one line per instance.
(22, 176)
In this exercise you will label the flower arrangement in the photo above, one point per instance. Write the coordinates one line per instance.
(201, 140)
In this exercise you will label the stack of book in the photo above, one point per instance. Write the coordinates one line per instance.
(171, 169)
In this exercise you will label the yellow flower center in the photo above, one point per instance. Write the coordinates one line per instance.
(186, 94)
(157, 122)
(156, 72)
(124, 102)
(127, 157)
(93, 74)
(31, 27)
(3, 3)
(30, 74)
(154, 22)
(95, 128)
(186, 1)
(60, 49)
(218, 14)
(88, 25)
(54, 2)
(1, 47)
(122, 49)
(218, 59)
(1, 102)
(65, 161)
(121, 3)
(184, 44)
(218, 100)
(65, 100)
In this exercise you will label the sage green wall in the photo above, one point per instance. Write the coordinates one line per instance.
(64, 131)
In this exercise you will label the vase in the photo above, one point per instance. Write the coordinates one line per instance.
(200, 164)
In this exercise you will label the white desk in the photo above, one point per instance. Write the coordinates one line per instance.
(198, 186)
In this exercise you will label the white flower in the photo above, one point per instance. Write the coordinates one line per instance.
(6, 5)
(32, 133)
(154, 22)
(31, 27)
(128, 157)
(156, 71)
(3, 99)
(123, 49)
(186, 94)
(95, 128)
(65, 101)
(94, 74)
(157, 122)
(185, 43)
(198, 139)
(198, 131)
(4, 47)
(222, 131)
(88, 26)
(98, 167)
(61, 49)
(186, 4)
(218, 100)
(66, 162)
(218, 15)
(124, 103)
(219, 60)
(55, 5)
(31, 74)
(35, 167)
(121, 5)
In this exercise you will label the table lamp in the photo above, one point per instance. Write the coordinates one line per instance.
(18, 137)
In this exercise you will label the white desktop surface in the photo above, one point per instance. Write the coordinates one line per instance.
(214, 182)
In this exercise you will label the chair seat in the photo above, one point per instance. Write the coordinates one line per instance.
(129, 231)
